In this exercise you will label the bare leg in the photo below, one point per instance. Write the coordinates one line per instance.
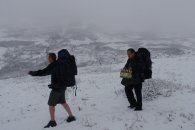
(52, 112)
(67, 108)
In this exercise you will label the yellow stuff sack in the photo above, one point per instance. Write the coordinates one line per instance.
(126, 73)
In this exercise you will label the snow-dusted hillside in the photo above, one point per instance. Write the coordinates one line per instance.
(101, 103)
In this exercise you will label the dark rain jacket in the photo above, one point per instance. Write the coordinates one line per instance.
(137, 66)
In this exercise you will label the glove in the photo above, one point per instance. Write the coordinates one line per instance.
(50, 86)
(31, 73)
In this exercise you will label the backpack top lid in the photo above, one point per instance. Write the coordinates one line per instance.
(63, 54)
(144, 52)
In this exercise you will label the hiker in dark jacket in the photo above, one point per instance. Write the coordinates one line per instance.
(57, 95)
(136, 64)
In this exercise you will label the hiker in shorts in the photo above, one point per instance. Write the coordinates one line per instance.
(58, 84)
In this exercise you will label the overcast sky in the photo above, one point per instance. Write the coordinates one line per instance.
(134, 15)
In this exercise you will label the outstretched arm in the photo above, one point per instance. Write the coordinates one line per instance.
(44, 72)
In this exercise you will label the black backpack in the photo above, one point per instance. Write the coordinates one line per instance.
(73, 65)
(67, 68)
(146, 57)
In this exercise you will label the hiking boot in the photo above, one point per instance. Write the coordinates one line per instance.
(51, 124)
(138, 109)
(70, 119)
(131, 106)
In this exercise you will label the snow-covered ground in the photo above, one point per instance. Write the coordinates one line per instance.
(100, 103)
(2, 52)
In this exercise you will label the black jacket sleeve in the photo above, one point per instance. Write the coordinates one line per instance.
(127, 64)
(44, 72)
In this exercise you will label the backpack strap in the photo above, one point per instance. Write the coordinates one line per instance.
(76, 89)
